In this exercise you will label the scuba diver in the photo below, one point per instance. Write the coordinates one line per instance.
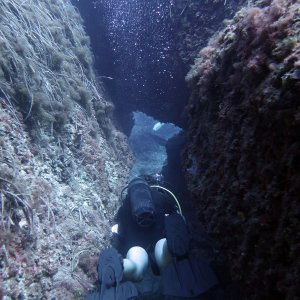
(150, 230)
(140, 220)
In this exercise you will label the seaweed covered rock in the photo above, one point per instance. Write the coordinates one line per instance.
(243, 157)
(196, 21)
(62, 161)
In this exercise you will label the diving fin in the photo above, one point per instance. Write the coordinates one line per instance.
(110, 268)
(124, 291)
(178, 240)
(93, 296)
(188, 277)
(110, 274)
(127, 291)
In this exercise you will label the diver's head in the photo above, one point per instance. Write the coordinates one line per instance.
(142, 207)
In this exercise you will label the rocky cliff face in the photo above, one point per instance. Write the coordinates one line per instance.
(62, 162)
(196, 21)
(242, 162)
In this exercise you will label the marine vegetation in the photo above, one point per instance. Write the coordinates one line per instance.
(62, 162)
(242, 161)
(196, 21)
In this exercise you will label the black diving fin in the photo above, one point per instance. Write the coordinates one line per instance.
(110, 268)
(188, 277)
(110, 274)
(124, 291)
(185, 276)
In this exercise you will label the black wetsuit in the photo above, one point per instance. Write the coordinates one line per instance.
(131, 234)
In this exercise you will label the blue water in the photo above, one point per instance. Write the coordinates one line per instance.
(148, 140)
(136, 58)
(133, 43)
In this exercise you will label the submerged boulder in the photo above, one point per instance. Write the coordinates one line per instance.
(242, 158)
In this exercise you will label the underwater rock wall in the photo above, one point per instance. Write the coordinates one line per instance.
(196, 21)
(242, 162)
(62, 162)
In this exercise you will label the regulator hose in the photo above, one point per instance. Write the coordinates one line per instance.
(173, 196)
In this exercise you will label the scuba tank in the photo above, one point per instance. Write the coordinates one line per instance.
(142, 206)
